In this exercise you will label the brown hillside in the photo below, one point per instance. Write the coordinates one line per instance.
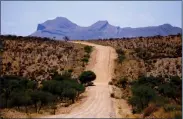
(37, 58)
(156, 55)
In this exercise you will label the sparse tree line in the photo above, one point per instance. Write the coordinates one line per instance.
(139, 37)
(38, 39)
(171, 41)
(19, 92)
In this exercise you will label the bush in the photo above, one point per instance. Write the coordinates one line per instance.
(122, 82)
(85, 59)
(143, 53)
(70, 70)
(69, 93)
(88, 49)
(175, 80)
(87, 56)
(120, 51)
(112, 95)
(110, 83)
(121, 58)
(58, 87)
(121, 55)
(19, 99)
(53, 86)
(145, 90)
(167, 90)
(64, 76)
(87, 76)
(142, 95)
(73, 84)
(32, 85)
(172, 107)
(17, 91)
(14, 89)
(42, 98)
(136, 104)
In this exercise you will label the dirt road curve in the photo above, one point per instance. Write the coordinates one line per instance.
(98, 103)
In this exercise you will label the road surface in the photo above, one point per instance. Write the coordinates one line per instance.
(98, 103)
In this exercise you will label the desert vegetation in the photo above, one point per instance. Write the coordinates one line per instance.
(148, 74)
(36, 58)
(41, 74)
(87, 77)
(24, 95)
(88, 50)
(163, 93)
(157, 55)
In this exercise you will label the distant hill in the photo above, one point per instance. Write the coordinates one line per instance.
(60, 27)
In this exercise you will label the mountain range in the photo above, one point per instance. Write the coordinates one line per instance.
(61, 26)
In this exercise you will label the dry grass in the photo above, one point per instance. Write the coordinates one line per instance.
(36, 58)
(149, 110)
(156, 55)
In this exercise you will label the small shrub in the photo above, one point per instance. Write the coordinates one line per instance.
(121, 55)
(112, 95)
(175, 80)
(85, 59)
(66, 75)
(88, 49)
(87, 56)
(120, 51)
(142, 96)
(121, 58)
(70, 94)
(110, 83)
(87, 76)
(70, 70)
(122, 82)
(143, 53)
(167, 90)
(171, 107)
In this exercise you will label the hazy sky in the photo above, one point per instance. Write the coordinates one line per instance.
(22, 17)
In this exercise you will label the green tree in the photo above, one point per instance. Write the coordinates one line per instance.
(141, 97)
(87, 76)
(88, 49)
(70, 93)
(167, 90)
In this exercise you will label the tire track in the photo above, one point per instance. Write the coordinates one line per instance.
(98, 103)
